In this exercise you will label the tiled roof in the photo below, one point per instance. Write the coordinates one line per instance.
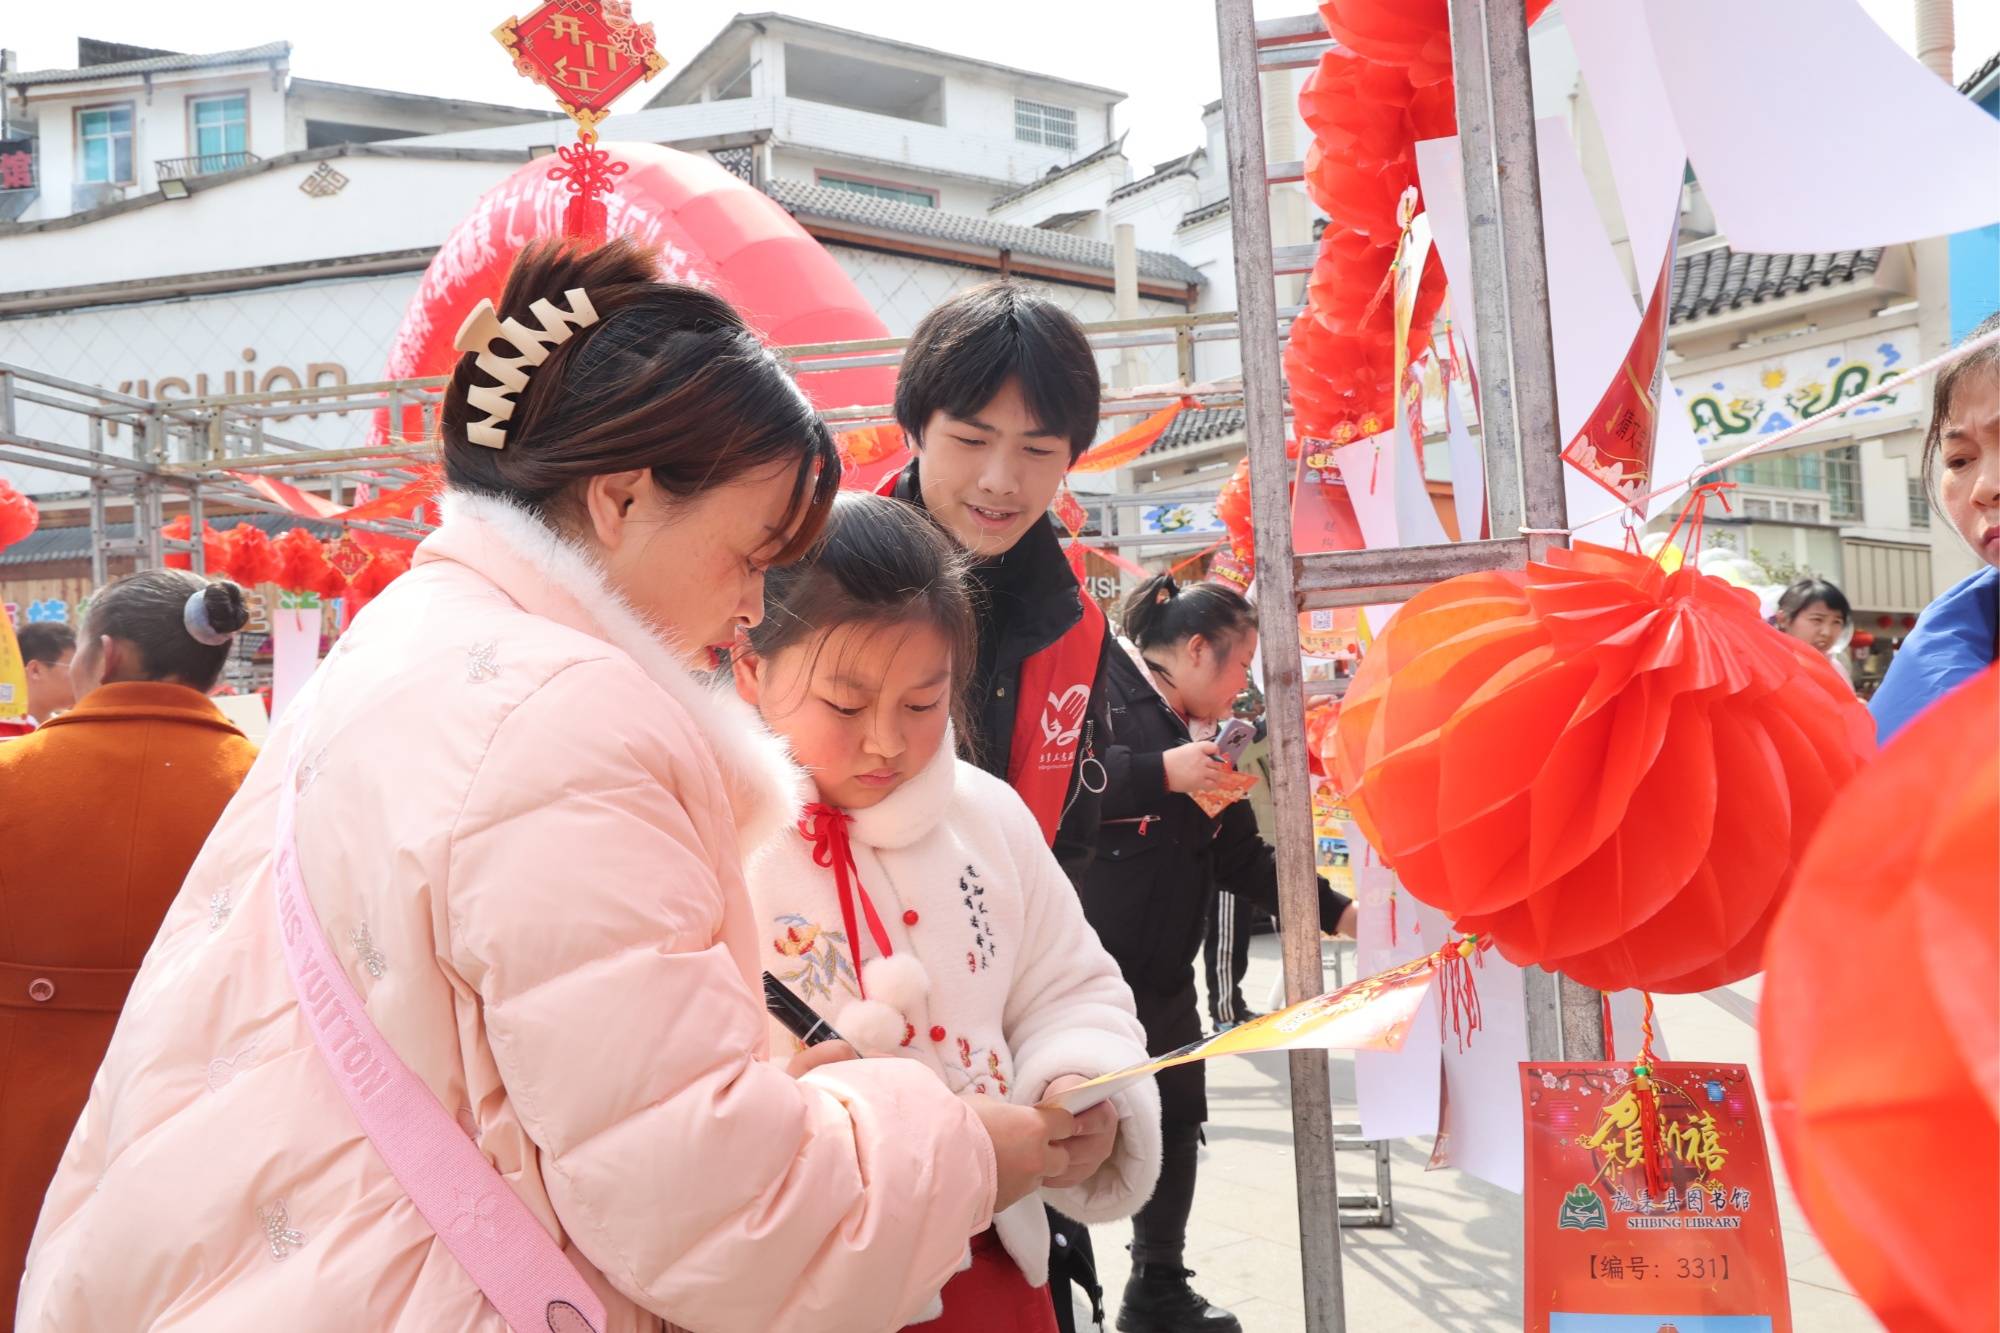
(1980, 75)
(1064, 221)
(73, 542)
(1054, 174)
(1178, 166)
(1200, 424)
(1199, 215)
(936, 224)
(1710, 282)
(154, 65)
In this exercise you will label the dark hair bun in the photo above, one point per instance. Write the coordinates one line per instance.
(228, 609)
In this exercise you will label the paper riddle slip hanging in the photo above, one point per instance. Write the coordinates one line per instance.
(1606, 768)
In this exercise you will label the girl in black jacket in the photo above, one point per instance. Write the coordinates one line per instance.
(1160, 859)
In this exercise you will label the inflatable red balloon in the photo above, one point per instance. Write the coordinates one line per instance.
(709, 227)
(1608, 769)
(1883, 1080)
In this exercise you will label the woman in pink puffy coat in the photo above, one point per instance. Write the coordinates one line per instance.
(520, 818)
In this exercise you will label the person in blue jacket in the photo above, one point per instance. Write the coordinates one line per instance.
(1955, 638)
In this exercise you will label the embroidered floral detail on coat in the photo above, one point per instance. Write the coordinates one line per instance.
(822, 968)
(479, 661)
(279, 1234)
(973, 894)
(371, 957)
(218, 908)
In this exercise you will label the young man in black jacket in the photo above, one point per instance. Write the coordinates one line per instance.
(998, 396)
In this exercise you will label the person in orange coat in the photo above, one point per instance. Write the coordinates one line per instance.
(102, 811)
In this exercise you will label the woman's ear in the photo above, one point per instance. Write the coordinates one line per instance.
(1198, 649)
(610, 499)
(748, 669)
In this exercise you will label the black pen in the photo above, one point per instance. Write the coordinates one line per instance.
(798, 1017)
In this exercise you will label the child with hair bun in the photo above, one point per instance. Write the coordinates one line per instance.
(918, 907)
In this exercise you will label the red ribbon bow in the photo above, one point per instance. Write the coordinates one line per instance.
(826, 829)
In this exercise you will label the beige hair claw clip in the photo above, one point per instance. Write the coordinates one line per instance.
(532, 346)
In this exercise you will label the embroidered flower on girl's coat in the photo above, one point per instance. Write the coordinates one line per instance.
(993, 1064)
(795, 941)
(823, 971)
(965, 1052)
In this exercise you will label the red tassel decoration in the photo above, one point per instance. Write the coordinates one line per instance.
(1458, 1009)
(1649, 1107)
(589, 173)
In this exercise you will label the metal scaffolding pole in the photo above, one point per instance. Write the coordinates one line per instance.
(1284, 692)
(1520, 428)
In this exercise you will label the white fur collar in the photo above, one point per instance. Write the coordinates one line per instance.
(765, 788)
(913, 809)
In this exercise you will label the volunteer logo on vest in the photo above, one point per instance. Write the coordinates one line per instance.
(1062, 721)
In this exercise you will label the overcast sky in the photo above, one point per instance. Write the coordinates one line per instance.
(1160, 52)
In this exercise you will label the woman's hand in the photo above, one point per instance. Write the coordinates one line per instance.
(1096, 1133)
(1030, 1144)
(1193, 767)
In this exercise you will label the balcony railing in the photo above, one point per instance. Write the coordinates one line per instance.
(182, 168)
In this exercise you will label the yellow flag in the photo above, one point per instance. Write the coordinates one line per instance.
(13, 674)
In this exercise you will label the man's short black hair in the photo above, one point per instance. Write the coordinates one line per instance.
(964, 350)
(45, 641)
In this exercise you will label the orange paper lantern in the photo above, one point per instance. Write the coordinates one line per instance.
(19, 515)
(1608, 769)
(1882, 1070)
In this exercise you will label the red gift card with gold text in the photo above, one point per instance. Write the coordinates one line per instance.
(1700, 1254)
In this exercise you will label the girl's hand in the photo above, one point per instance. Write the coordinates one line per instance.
(1095, 1134)
(1193, 767)
(1030, 1145)
(826, 1053)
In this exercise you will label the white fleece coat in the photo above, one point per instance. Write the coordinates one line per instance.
(1015, 990)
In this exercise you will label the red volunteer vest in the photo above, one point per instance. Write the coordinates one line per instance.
(1049, 709)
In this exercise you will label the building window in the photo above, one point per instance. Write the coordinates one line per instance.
(221, 131)
(1843, 483)
(104, 145)
(1835, 472)
(899, 194)
(1038, 122)
(1920, 504)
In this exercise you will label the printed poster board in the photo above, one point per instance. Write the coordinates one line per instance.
(1605, 1255)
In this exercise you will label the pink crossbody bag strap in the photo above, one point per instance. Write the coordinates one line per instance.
(475, 1213)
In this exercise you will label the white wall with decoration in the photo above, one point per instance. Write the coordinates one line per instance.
(330, 331)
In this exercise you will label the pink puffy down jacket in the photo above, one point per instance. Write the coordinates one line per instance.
(521, 824)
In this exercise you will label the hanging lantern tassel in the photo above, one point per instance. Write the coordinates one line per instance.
(589, 173)
(1649, 1108)
(1459, 1010)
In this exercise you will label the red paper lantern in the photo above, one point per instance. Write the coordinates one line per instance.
(1607, 768)
(302, 564)
(1232, 506)
(1883, 1081)
(18, 514)
(214, 555)
(249, 554)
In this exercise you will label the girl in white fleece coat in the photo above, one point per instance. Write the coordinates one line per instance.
(918, 908)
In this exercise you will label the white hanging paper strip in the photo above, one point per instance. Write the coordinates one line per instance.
(1397, 1091)
(1591, 310)
(1811, 130)
(1648, 160)
(294, 653)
